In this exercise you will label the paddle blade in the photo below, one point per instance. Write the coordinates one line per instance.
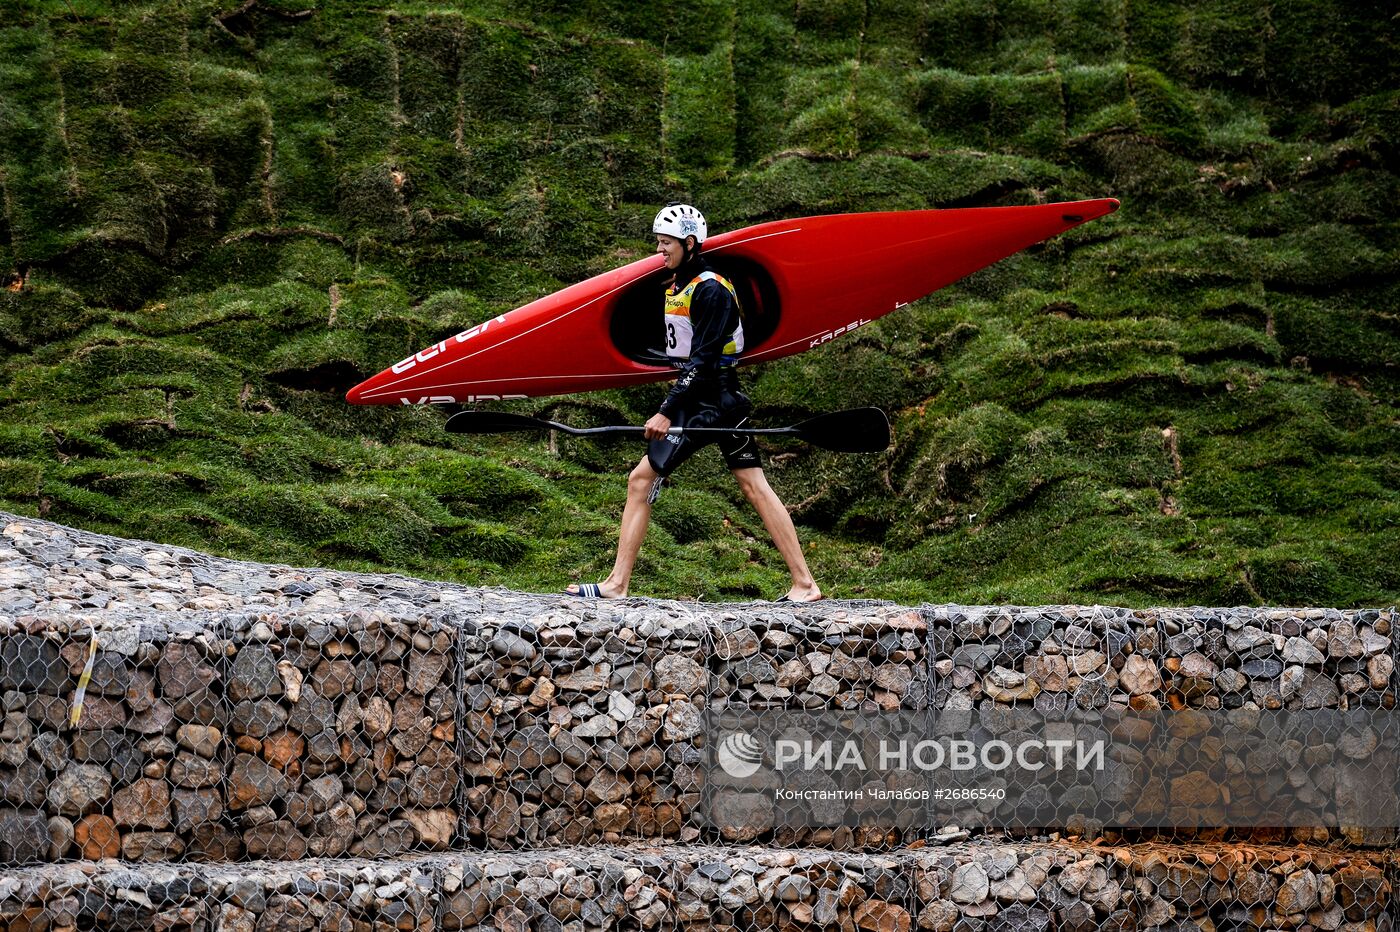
(492, 422)
(858, 430)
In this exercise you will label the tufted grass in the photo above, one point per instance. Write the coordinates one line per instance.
(225, 221)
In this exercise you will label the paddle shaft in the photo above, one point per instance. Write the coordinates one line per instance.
(674, 431)
(861, 430)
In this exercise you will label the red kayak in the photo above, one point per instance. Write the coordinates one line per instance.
(801, 283)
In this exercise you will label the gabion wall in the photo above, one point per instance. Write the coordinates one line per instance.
(422, 755)
(961, 887)
(219, 737)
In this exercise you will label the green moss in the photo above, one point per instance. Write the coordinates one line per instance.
(994, 112)
(698, 125)
(1193, 401)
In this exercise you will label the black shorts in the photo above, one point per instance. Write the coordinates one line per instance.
(726, 408)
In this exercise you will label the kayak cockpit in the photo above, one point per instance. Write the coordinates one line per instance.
(637, 327)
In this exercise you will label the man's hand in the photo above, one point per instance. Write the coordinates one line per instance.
(657, 427)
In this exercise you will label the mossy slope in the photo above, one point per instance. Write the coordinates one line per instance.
(224, 216)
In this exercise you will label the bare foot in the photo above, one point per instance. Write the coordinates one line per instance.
(803, 594)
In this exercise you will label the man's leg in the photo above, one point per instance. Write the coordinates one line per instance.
(779, 524)
(636, 514)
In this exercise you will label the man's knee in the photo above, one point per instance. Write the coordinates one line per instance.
(642, 477)
(751, 482)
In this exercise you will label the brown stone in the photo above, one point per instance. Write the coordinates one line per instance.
(377, 717)
(607, 787)
(97, 837)
(1139, 675)
(737, 644)
(879, 916)
(101, 712)
(1195, 789)
(425, 672)
(585, 679)
(333, 678)
(283, 748)
(252, 783)
(435, 827)
(275, 840)
(152, 846)
(502, 816)
(1051, 671)
(204, 740)
(1026, 690)
(141, 691)
(675, 674)
(612, 817)
(1197, 673)
(144, 804)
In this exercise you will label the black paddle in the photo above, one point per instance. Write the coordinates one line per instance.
(858, 430)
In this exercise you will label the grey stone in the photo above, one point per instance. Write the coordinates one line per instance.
(1077, 638)
(1298, 893)
(752, 670)
(737, 644)
(183, 670)
(254, 674)
(80, 789)
(970, 884)
(30, 663)
(679, 675)
(715, 871)
(1247, 638)
(192, 808)
(259, 719)
(191, 771)
(311, 714)
(512, 647)
(1299, 650)
(1262, 669)
(24, 836)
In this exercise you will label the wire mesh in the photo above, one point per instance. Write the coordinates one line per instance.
(518, 763)
(985, 884)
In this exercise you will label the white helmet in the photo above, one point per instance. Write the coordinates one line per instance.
(680, 221)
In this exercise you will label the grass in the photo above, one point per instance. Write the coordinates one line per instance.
(224, 221)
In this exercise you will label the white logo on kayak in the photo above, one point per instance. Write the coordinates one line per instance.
(430, 352)
(454, 400)
(833, 334)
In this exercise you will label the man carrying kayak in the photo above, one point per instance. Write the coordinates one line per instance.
(704, 339)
